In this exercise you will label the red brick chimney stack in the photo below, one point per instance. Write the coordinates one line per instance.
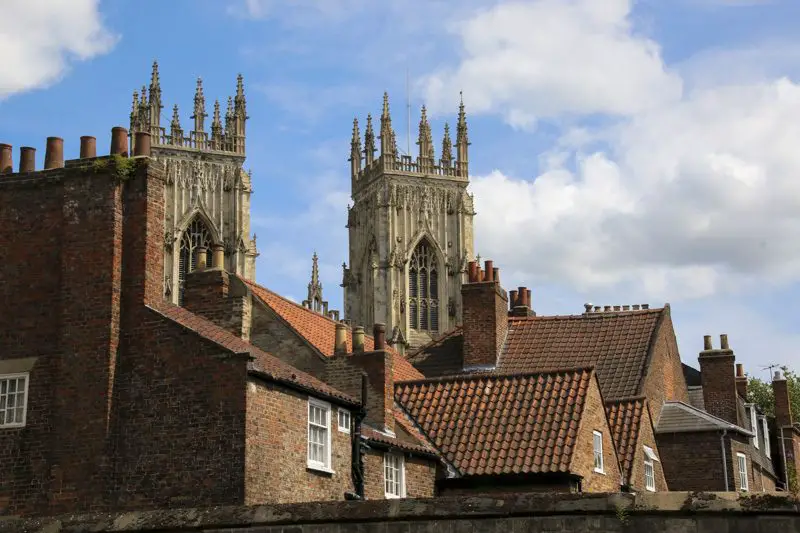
(741, 381)
(783, 404)
(88, 147)
(485, 315)
(6, 159)
(521, 302)
(54, 153)
(119, 141)
(27, 159)
(717, 375)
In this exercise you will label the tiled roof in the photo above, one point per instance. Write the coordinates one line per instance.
(263, 362)
(495, 424)
(615, 344)
(320, 330)
(407, 437)
(678, 417)
(625, 420)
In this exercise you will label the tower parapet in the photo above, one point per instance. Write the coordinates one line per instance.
(146, 116)
(366, 166)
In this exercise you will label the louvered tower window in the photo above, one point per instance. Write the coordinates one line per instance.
(196, 235)
(423, 289)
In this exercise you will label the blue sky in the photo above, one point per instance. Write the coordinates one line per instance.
(622, 152)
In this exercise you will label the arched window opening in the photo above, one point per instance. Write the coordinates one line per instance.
(195, 236)
(423, 289)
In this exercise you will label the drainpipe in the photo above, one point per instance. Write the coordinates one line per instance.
(785, 464)
(357, 453)
(724, 457)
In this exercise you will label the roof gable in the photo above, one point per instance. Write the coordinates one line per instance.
(625, 419)
(320, 331)
(501, 424)
(263, 363)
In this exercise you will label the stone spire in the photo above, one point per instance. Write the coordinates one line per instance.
(199, 107)
(216, 128)
(355, 150)
(388, 144)
(315, 302)
(425, 141)
(175, 130)
(240, 116)
(369, 143)
(447, 147)
(135, 112)
(230, 129)
(155, 102)
(462, 141)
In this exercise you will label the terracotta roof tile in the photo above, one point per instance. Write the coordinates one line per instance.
(407, 437)
(263, 362)
(500, 424)
(625, 422)
(320, 330)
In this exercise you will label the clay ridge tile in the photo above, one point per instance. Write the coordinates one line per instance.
(500, 424)
(319, 330)
(262, 363)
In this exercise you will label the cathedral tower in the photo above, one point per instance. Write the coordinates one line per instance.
(410, 231)
(208, 192)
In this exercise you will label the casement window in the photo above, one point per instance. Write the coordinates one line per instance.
(13, 400)
(598, 452)
(319, 435)
(765, 431)
(394, 475)
(742, 459)
(753, 425)
(344, 421)
(650, 460)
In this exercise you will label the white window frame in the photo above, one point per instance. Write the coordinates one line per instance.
(400, 468)
(742, 463)
(7, 378)
(325, 465)
(597, 439)
(344, 413)
(753, 424)
(650, 460)
(765, 430)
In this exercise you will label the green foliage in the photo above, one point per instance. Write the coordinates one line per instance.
(760, 393)
(123, 167)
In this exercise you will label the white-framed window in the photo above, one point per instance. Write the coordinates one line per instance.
(742, 459)
(319, 435)
(344, 421)
(598, 451)
(650, 460)
(394, 475)
(765, 430)
(753, 425)
(13, 400)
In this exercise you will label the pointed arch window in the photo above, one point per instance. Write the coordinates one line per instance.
(195, 236)
(423, 289)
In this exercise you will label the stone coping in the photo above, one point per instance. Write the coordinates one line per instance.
(442, 508)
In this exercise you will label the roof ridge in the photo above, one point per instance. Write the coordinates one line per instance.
(707, 416)
(604, 314)
(496, 376)
(292, 302)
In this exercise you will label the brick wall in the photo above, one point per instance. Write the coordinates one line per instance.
(380, 396)
(664, 380)
(277, 450)
(692, 461)
(719, 385)
(594, 418)
(420, 476)
(647, 438)
(485, 322)
(220, 297)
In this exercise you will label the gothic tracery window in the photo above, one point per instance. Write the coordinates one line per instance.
(196, 235)
(423, 289)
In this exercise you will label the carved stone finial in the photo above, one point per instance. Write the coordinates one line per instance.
(199, 107)
(447, 146)
(369, 142)
(175, 127)
(388, 143)
(425, 141)
(155, 86)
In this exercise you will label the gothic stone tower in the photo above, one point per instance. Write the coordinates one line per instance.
(410, 231)
(208, 192)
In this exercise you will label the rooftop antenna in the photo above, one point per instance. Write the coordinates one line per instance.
(408, 110)
(769, 368)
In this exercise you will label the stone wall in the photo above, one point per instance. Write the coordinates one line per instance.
(676, 512)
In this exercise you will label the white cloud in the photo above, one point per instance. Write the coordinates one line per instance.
(691, 198)
(39, 38)
(546, 58)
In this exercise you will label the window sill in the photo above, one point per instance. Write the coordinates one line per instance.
(599, 471)
(648, 489)
(345, 431)
(393, 497)
(320, 468)
(12, 426)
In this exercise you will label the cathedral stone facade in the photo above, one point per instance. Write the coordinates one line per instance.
(208, 192)
(410, 231)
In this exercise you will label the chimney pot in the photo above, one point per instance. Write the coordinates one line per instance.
(606, 308)
(379, 334)
(141, 144)
(587, 308)
(27, 159)
(496, 275)
(489, 269)
(723, 342)
(635, 307)
(778, 376)
(528, 298)
(119, 141)
(217, 256)
(88, 147)
(513, 298)
(471, 272)
(707, 342)
(54, 153)
(645, 306)
(626, 307)
(739, 370)
(202, 257)
(6, 159)
(597, 308)
(358, 339)
(617, 308)
(340, 341)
